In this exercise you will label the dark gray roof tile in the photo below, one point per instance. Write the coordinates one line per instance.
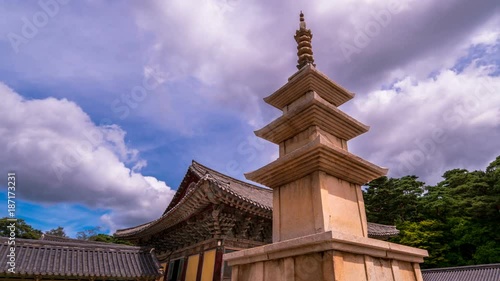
(376, 230)
(486, 272)
(75, 258)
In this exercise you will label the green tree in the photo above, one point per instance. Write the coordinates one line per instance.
(88, 233)
(390, 200)
(456, 220)
(101, 237)
(22, 229)
(59, 231)
(428, 235)
(92, 234)
(469, 207)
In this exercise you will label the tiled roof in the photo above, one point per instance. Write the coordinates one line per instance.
(486, 272)
(257, 196)
(74, 260)
(376, 230)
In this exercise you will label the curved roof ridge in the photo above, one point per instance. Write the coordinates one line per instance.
(137, 226)
(94, 245)
(219, 174)
(165, 215)
(381, 224)
(242, 197)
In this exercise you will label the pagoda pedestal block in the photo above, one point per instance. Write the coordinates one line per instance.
(300, 212)
(327, 256)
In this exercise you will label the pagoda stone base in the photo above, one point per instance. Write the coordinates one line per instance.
(328, 256)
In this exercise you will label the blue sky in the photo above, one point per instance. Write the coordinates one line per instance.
(105, 103)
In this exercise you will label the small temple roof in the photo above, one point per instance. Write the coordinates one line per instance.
(485, 272)
(382, 231)
(241, 194)
(75, 259)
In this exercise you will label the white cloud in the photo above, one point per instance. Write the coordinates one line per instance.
(426, 127)
(60, 155)
(487, 37)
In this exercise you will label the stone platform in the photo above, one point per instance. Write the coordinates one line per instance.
(327, 256)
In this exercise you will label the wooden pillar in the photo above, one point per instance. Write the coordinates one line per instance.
(200, 267)
(218, 264)
(165, 274)
(184, 268)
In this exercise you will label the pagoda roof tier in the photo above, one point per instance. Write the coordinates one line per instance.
(312, 111)
(317, 155)
(308, 78)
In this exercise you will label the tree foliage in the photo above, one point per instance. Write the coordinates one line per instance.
(88, 233)
(58, 231)
(92, 234)
(22, 229)
(389, 200)
(457, 220)
(26, 231)
(101, 237)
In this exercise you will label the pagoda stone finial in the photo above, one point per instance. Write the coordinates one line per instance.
(303, 37)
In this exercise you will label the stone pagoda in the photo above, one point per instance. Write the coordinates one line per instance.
(319, 219)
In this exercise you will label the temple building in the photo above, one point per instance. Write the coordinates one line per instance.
(212, 214)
